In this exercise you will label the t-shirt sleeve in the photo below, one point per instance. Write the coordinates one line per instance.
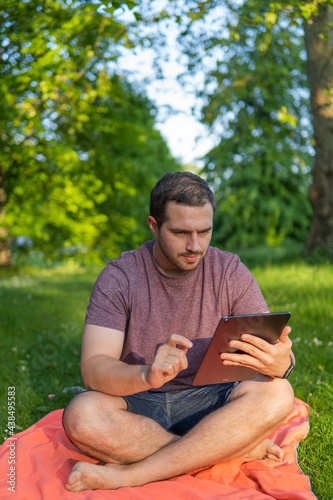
(108, 305)
(245, 296)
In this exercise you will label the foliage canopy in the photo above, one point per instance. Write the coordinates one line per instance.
(256, 98)
(79, 151)
(257, 87)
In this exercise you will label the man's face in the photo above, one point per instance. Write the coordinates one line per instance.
(183, 239)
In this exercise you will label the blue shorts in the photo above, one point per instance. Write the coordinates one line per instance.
(179, 411)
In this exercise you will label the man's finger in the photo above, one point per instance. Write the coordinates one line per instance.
(285, 334)
(179, 341)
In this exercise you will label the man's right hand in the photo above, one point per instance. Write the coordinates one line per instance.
(170, 359)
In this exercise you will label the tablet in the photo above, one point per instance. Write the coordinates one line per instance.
(266, 326)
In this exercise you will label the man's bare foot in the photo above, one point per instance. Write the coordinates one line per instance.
(87, 476)
(267, 449)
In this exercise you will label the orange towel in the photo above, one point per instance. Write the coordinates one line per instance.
(43, 457)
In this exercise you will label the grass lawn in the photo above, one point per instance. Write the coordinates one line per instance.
(42, 315)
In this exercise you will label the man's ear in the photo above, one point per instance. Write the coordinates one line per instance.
(152, 225)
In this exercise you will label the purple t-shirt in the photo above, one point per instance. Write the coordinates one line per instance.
(132, 295)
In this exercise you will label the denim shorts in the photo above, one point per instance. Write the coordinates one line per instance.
(179, 411)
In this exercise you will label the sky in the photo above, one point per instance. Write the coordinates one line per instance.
(187, 138)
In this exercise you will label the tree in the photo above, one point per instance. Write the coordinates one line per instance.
(261, 166)
(127, 154)
(78, 145)
(319, 46)
(256, 94)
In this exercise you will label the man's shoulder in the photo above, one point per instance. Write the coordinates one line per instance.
(141, 252)
(125, 270)
(132, 260)
(216, 256)
(225, 264)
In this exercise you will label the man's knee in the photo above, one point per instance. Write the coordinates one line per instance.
(76, 414)
(282, 398)
(273, 398)
(83, 415)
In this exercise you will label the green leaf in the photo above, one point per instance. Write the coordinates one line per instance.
(271, 18)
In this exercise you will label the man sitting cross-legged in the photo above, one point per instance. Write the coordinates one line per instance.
(150, 318)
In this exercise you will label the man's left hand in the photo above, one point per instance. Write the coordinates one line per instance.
(272, 360)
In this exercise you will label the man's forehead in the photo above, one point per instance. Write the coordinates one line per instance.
(179, 213)
(176, 206)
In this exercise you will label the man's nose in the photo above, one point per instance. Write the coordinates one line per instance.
(193, 244)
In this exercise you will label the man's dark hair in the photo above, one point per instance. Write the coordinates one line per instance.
(182, 187)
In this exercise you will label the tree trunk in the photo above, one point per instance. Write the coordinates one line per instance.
(319, 47)
(5, 253)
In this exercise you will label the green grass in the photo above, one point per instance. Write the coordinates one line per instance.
(306, 290)
(42, 314)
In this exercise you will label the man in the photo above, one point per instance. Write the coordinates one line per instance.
(150, 318)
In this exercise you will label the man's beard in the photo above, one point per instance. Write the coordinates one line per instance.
(176, 261)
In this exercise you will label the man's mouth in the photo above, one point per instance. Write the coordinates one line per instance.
(193, 257)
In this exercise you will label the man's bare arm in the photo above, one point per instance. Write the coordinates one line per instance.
(103, 371)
